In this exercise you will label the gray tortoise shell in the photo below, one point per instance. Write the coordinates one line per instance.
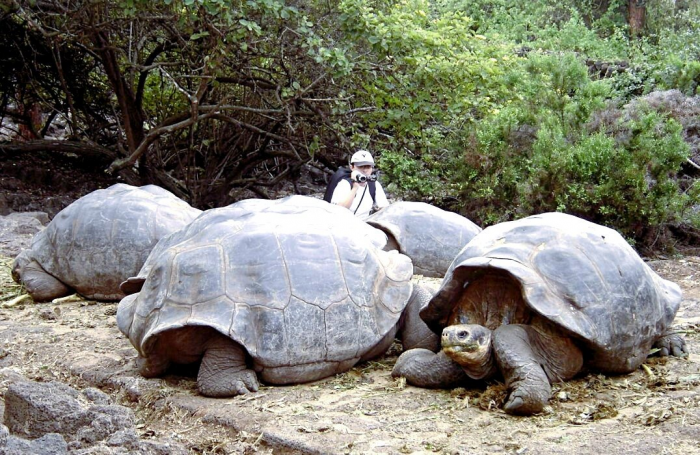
(297, 285)
(303, 206)
(105, 236)
(584, 277)
(430, 236)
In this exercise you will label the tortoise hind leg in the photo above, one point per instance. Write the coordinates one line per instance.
(530, 360)
(671, 344)
(223, 371)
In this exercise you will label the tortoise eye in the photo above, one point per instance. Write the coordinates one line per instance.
(462, 334)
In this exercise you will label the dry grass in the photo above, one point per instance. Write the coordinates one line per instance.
(11, 293)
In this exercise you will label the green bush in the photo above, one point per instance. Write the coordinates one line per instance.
(682, 74)
(588, 27)
(557, 149)
(430, 74)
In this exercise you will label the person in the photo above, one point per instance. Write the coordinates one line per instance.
(355, 195)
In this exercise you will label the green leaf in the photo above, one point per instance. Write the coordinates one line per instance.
(196, 36)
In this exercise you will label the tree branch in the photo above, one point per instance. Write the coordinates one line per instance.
(150, 138)
(78, 148)
(692, 163)
(83, 149)
(145, 69)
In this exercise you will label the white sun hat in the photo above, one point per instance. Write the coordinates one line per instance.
(362, 158)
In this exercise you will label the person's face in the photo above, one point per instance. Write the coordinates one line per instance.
(366, 170)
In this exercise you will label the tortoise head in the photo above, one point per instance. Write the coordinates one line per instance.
(18, 266)
(469, 345)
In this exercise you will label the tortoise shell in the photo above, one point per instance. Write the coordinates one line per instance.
(303, 206)
(299, 286)
(582, 276)
(105, 236)
(430, 236)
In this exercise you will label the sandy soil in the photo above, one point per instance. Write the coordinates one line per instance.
(654, 410)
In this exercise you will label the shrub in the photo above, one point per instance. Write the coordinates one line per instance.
(545, 153)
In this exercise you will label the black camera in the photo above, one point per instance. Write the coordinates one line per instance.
(362, 178)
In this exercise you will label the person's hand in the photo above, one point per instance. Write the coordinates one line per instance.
(353, 177)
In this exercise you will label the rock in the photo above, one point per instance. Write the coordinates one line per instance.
(42, 217)
(49, 444)
(162, 448)
(50, 314)
(96, 396)
(102, 421)
(17, 230)
(10, 375)
(59, 420)
(16, 446)
(126, 438)
(34, 409)
(4, 434)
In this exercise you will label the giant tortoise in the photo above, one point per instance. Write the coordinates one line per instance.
(539, 299)
(430, 236)
(292, 291)
(98, 241)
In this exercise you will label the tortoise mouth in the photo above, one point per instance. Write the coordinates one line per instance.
(469, 347)
(468, 355)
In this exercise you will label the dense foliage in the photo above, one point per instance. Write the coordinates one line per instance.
(496, 109)
(573, 152)
(204, 97)
(535, 107)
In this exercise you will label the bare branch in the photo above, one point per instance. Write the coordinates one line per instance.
(150, 138)
(312, 85)
(78, 148)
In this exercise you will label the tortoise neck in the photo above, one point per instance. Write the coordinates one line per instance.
(492, 300)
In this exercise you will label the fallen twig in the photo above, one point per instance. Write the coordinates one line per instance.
(15, 301)
(412, 420)
(254, 396)
(68, 298)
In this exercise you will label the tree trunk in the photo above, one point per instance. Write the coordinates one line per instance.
(29, 131)
(637, 17)
(132, 114)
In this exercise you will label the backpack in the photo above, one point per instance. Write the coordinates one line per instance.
(343, 173)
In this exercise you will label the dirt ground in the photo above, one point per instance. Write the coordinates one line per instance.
(655, 410)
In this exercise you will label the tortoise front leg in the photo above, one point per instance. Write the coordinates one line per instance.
(223, 371)
(152, 367)
(424, 368)
(530, 360)
(414, 331)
